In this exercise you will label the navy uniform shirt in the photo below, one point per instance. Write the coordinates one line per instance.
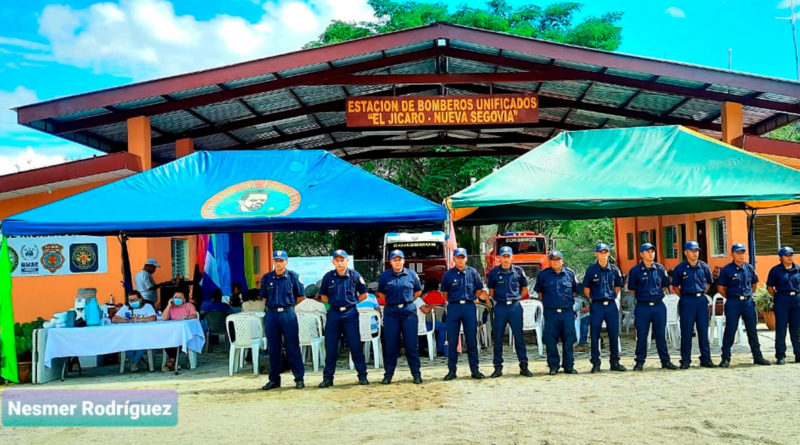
(648, 282)
(399, 287)
(461, 284)
(738, 280)
(342, 290)
(692, 279)
(281, 290)
(784, 280)
(601, 281)
(557, 289)
(507, 283)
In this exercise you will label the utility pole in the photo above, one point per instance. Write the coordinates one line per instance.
(791, 19)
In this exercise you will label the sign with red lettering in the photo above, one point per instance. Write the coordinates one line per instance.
(478, 109)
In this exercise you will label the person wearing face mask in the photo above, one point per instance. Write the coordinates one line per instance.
(556, 287)
(136, 311)
(601, 284)
(177, 309)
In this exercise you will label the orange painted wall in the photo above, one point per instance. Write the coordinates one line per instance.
(736, 228)
(42, 296)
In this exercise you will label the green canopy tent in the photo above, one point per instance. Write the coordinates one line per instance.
(626, 172)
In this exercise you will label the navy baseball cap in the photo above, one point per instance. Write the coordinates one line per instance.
(460, 251)
(340, 253)
(646, 246)
(556, 254)
(691, 245)
(738, 247)
(785, 250)
(396, 253)
(506, 250)
(280, 254)
(601, 247)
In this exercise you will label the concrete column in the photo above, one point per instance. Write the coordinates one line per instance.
(732, 124)
(184, 147)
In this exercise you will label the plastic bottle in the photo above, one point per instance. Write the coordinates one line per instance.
(92, 313)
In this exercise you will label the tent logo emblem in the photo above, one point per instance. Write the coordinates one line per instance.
(256, 198)
(52, 258)
(29, 253)
(83, 257)
(13, 257)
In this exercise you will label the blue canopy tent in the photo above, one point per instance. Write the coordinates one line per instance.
(232, 191)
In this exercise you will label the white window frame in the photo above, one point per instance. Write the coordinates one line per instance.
(718, 250)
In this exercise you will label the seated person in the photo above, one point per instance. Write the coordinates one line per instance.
(372, 288)
(252, 302)
(135, 311)
(177, 309)
(431, 294)
(215, 304)
(371, 302)
(310, 303)
(439, 327)
(237, 297)
(581, 309)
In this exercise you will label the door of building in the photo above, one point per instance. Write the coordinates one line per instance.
(700, 230)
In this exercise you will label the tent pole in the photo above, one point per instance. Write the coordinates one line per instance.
(751, 235)
(127, 282)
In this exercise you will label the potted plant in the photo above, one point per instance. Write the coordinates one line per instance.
(23, 334)
(765, 305)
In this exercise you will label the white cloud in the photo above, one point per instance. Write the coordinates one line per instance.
(27, 44)
(26, 159)
(10, 99)
(145, 38)
(676, 12)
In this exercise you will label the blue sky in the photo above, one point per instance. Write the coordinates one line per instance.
(50, 49)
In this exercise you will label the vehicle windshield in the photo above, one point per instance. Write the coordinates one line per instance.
(417, 250)
(523, 245)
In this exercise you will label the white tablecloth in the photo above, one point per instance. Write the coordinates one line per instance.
(96, 340)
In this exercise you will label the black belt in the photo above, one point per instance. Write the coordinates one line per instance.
(739, 297)
(648, 303)
(398, 305)
(790, 293)
(460, 302)
(342, 308)
(695, 294)
(604, 302)
(507, 302)
(559, 309)
(280, 308)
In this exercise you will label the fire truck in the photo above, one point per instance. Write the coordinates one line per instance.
(424, 252)
(530, 251)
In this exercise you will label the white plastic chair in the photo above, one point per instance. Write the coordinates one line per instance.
(370, 340)
(719, 321)
(422, 330)
(312, 337)
(532, 320)
(244, 331)
(584, 303)
(673, 323)
(123, 357)
(626, 315)
(484, 328)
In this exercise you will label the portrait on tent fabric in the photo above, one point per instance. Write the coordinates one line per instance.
(252, 198)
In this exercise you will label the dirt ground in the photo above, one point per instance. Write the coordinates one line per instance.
(743, 404)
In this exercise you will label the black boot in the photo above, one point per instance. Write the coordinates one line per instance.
(595, 368)
(669, 365)
(498, 372)
(762, 361)
(450, 375)
(524, 371)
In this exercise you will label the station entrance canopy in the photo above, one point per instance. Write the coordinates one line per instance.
(299, 100)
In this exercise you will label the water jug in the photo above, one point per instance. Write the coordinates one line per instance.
(92, 313)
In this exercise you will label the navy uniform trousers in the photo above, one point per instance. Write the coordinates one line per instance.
(693, 312)
(395, 321)
(645, 315)
(511, 315)
(458, 314)
(283, 326)
(610, 314)
(746, 310)
(340, 322)
(787, 311)
(559, 326)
